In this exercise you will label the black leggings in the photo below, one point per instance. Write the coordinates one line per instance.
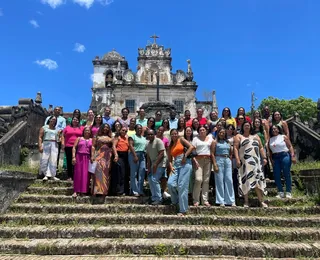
(120, 175)
(68, 151)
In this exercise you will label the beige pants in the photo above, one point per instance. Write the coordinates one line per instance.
(202, 178)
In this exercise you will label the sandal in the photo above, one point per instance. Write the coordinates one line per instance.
(196, 204)
(207, 204)
(74, 195)
(263, 205)
(181, 214)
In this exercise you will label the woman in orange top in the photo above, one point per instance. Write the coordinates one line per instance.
(178, 182)
(120, 169)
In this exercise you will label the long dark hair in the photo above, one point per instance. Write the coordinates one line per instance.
(95, 122)
(244, 112)
(74, 111)
(171, 142)
(230, 116)
(260, 127)
(184, 124)
(49, 119)
(101, 129)
(251, 128)
(154, 122)
(225, 135)
(114, 126)
(71, 124)
(165, 120)
(279, 129)
(193, 122)
(87, 127)
(273, 120)
(185, 136)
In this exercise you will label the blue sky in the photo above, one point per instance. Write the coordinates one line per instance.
(270, 47)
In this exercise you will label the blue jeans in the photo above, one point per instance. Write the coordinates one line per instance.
(224, 183)
(178, 184)
(282, 163)
(154, 183)
(137, 173)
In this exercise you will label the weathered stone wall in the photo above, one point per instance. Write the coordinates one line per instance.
(11, 185)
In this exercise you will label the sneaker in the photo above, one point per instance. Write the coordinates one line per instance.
(166, 195)
(45, 178)
(280, 195)
(56, 179)
(289, 195)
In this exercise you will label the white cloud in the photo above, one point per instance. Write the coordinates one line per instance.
(1, 12)
(105, 2)
(78, 47)
(47, 63)
(85, 3)
(34, 23)
(53, 3)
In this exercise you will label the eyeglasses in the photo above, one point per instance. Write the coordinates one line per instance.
(241, 118)
(158, 114)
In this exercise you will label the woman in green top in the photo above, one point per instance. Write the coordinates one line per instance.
(137, 161)
(259, 130)
(158, 121)
(76, 113)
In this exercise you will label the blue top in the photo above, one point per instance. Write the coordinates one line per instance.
(61, 122)
(108, 120)
(222, 148)
(173, 123)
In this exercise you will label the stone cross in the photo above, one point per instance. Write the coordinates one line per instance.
(155, 37)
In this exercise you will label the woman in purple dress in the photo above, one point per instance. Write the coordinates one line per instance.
(81, 154)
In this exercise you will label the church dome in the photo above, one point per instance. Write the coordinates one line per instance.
(114, 56)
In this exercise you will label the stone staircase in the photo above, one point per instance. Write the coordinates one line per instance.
(46, 220)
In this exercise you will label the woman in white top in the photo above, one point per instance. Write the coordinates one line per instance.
(202, 144)
(282, 154)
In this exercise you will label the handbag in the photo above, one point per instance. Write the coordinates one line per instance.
(192, 154)
(92, 167)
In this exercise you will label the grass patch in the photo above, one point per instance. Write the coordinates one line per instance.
(20, 168)
(296, 168)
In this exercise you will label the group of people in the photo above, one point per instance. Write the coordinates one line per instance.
(176, 156)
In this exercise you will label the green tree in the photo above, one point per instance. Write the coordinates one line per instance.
(305, 107)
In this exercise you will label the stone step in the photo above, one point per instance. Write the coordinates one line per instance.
(270, 234)
(116, 257)
(65, 183)
(69, 191)
(159, 247)
(160, 209)
(64, 199)
(136, 219)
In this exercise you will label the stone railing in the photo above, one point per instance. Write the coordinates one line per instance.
(305, 140)
(11, 185)
(19, 126)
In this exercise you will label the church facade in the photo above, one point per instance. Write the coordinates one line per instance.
(117, 86)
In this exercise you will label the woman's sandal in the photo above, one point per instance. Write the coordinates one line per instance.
(263, 204)
(196, 204)
(181, 214)
(207, 204)
(74, 195)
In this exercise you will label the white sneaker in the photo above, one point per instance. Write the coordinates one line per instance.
(56, 179)
(166, 195)
(280, 195)
(45, 178)
(289, 195)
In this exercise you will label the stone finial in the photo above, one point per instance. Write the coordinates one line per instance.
(38, 99)
(97, 58)
(189, 71)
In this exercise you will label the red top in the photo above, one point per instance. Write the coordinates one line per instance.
(71, 134)
(123, 144)
(202, 121)
(189, 122)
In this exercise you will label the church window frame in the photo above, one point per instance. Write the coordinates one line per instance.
(131, 105)
(179, 104)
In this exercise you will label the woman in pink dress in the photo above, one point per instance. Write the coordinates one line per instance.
(96, 125)
(81, 155)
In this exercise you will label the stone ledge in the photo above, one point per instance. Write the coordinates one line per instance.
(272, 234)
(136, 219)
(160, 209)
(159, 247)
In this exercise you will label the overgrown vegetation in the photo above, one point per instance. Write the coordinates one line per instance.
(20, 168)
(296, 168)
